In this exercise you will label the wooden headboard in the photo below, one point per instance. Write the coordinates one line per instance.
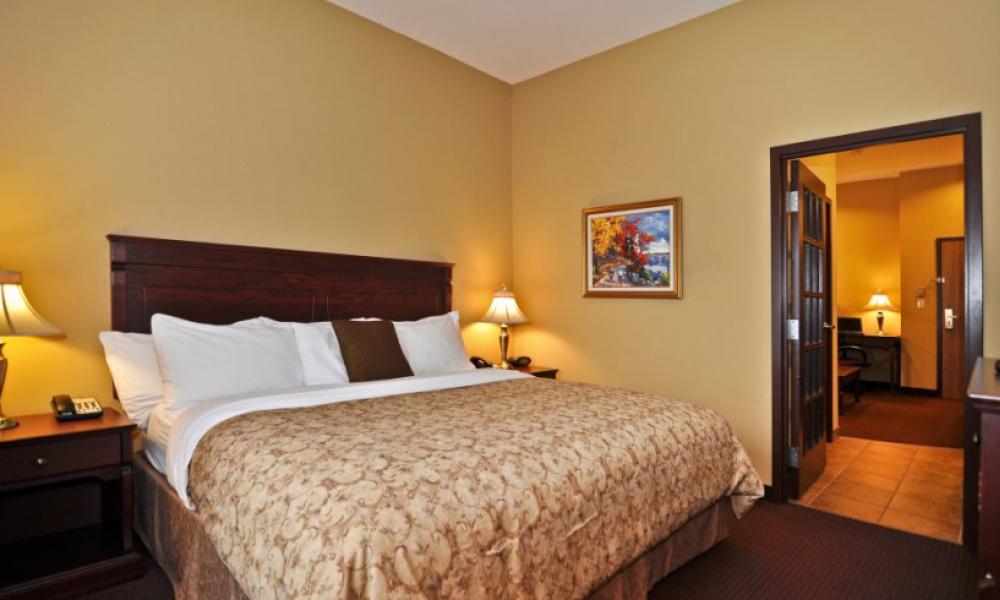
(217, 283)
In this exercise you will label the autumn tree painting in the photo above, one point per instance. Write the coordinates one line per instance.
(631, 249)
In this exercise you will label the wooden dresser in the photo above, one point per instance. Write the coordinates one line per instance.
(984, 393)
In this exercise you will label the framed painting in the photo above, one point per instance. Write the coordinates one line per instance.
(633, 250)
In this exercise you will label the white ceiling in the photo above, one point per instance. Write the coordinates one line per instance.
(515, 40)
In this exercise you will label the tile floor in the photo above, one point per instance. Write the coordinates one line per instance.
(903, 486)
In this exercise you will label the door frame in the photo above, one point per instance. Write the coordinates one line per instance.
(940, 316)
(970, 125)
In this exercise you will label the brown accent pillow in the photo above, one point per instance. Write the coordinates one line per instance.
(371, 350)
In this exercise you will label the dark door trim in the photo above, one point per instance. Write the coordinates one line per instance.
(940, 317)
(970, 126)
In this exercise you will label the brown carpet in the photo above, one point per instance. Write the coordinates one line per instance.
(783, 551)
(903, 418)
(778, 551)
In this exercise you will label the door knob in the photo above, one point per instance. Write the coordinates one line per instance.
(949, 318)
(829, 326)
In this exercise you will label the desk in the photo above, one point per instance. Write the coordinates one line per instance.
(891, 344)
(848, 376)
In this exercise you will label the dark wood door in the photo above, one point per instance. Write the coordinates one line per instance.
(809, 327)
(951, 316)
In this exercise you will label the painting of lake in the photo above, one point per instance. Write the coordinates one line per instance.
(633, 249)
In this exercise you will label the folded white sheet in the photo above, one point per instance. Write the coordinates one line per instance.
(190, 425)
(154, 443)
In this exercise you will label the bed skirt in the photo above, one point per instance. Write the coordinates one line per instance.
(181, 546)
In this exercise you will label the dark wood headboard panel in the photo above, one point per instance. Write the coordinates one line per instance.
(217, 283)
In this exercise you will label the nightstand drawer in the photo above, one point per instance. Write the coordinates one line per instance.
(55, 457)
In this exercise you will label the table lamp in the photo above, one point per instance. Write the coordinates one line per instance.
(880, 301)
(504, 310)
(17, 318)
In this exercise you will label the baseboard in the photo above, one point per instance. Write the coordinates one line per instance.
(885, 386)
(918, 391)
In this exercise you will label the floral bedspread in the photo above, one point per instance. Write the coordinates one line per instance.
(527, 488)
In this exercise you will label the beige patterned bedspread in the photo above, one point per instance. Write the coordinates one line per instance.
(527, 488)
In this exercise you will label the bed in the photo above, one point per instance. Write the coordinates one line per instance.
(475, 484)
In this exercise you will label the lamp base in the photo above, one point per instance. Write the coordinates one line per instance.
(504, 341)
(881, 321)
(5, 422)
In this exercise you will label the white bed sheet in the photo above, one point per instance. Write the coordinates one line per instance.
(186, 428)
(157, 436)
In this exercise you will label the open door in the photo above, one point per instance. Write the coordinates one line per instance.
(809, 327)
(951, 313)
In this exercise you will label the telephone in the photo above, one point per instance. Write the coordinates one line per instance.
(481, 363)
(75, 409)
(520, 361)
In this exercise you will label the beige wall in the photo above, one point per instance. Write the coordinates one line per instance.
(286, 123)
(867, 249)
(930, 207)
(692, 111)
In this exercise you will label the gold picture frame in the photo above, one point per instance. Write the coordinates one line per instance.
(633, 250)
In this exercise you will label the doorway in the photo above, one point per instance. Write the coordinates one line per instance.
(803, 325)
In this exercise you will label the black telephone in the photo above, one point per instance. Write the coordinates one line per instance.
(481, 363)
(75, 409)
(520, 361)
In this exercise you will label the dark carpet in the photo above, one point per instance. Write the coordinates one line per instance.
(154, 585)
(904, 418)
(777, 551)
(783, 551)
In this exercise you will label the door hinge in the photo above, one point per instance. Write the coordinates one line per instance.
(793, 457)
(793, 330)
(792, 204)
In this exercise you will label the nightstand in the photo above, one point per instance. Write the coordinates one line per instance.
(66, 506)
(544, 372)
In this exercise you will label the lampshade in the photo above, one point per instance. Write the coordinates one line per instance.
(879, 301)
(17, 317)
(504, 309)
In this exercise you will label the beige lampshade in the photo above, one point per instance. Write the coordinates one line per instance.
(879, 301)
(17, 317)
(504, 309)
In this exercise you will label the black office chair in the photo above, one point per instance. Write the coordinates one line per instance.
(860, 358)
(852, 356)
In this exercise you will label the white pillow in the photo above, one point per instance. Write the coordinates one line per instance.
(199, 362)
(319, 350)
(131, 358)
(433, 346)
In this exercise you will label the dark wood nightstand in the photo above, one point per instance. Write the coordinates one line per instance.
(544, 372)
(66, 506)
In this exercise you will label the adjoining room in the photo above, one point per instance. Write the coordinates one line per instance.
(898, 300)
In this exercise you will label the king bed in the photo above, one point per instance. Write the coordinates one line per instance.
(473, 484)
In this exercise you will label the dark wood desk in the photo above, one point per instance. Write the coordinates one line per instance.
(891, 344)
(848, 375)
(984, 394)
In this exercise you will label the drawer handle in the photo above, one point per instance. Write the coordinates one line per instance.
(41, 462)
